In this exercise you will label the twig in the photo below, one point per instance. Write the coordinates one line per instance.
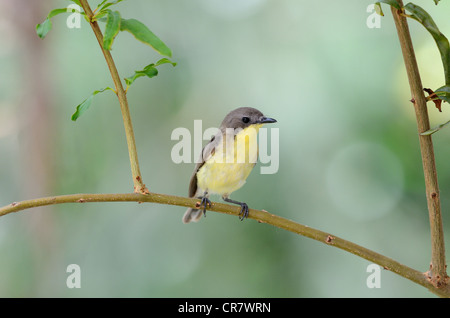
(437, 271)
(260, 215)
(139, 186)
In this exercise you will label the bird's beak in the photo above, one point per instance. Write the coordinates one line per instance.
(266, 120)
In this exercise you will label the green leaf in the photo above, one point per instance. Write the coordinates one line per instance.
(378, 9)
(165, 61)
(420, 15)
(435, 129)
(149, 71)
(43, 28)
(112, 28)
(443, 93)
(81, 108)
(100, 4)
(143, 34)
(392, 3)
(436, 1)
(109, 4)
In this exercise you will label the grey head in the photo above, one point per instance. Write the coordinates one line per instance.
(243, 117)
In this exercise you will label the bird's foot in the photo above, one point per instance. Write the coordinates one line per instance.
(205, 202)
(243, 214)
(244, 211)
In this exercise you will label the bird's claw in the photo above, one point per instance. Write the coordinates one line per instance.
(244, 211)
(205, 202)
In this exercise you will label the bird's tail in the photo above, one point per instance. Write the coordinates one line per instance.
(192, 215)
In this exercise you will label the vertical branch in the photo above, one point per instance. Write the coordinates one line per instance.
(139, 186)
(437, 271)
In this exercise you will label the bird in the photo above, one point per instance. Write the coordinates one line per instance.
(226, 161)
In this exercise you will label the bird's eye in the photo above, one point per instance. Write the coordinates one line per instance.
(245, 119)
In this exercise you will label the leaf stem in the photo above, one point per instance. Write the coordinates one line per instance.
(437, 271)
(260, 215)
(139, 186)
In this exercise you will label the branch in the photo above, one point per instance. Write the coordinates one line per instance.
(139, 186)
(260, 215)
(437, 271)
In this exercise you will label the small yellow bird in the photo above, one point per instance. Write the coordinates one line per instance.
(227, 160)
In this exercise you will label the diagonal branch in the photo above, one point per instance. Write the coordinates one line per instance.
(260, 215)
(139, 186)
(437, 271)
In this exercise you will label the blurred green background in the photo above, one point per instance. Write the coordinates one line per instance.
(349, 160)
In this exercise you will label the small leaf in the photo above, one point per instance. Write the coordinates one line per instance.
(43, 28)
(164, 61)
(56, 12)
(100, 4)
(111, 29)
(436, 1)
(392, 3)
(109, 4)
(378, 9)
(435, 129)
(100, 16)
(443, 93)
(81, 108)
(143, 34)
(149, 71)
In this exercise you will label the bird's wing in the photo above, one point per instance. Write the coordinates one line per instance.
(207, 152)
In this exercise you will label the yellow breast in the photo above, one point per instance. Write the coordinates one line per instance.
(230, 165)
